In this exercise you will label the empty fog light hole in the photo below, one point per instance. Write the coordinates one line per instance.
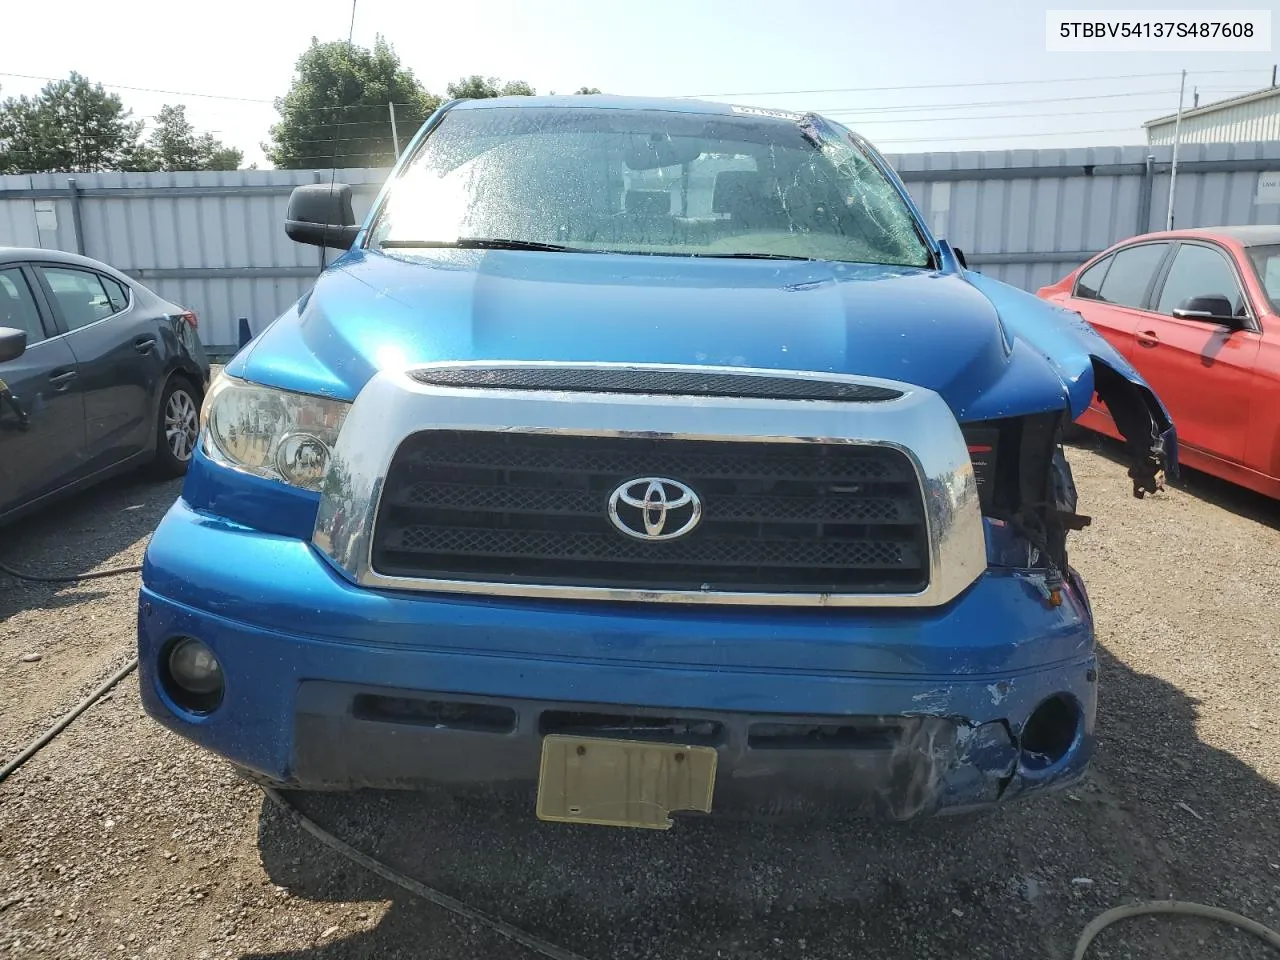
(1050, 731)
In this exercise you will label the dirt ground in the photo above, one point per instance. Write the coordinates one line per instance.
(122, 840)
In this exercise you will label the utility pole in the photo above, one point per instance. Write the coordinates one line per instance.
(1177, 135)
(395, 136)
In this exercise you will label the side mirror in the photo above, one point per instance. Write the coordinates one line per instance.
(960, 256)
(1213, 308)
(321, 216)
(13, 343)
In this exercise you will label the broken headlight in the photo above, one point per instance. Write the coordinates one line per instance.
(1025, 484)
(276, 434)
(983, 440)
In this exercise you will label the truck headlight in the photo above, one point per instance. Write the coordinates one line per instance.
(271, 433)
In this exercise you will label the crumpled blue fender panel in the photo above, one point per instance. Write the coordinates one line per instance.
(1070, 346)
(1081, 358)
(1086, 363)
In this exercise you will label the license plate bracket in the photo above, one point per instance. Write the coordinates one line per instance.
(622, 783)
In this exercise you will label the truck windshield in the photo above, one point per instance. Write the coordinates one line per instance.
(654, 182)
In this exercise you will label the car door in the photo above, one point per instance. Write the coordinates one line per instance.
(42, 429)
(1202, 369)
(1262, 450)
(1112, 293)
(117, 347)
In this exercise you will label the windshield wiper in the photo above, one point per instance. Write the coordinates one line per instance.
(485, 243)
(500, 243)
(752, 256)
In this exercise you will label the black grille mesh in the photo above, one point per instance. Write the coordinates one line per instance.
(630, 380)
(728, 507)
(631, 458)
(533, 508)
(609, 547)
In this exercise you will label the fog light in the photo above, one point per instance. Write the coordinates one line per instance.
(193, 675)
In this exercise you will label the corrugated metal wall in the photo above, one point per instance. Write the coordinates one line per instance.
(1028, 217)
(215, 241)
(1249, 121)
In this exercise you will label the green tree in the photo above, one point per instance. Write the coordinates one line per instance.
(476, 87)
(587, 90)
(71, 125)
(336, 112)
(175, 145)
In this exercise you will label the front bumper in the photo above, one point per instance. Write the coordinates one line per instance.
(330, 685)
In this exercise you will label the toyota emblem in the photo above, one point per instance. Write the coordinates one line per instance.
(654, 508)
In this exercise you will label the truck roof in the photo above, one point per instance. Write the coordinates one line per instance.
(610, 102)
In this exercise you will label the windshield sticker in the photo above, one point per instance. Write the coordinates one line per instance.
(760, 112)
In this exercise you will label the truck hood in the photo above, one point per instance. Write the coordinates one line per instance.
(371, 311)
(989, 349)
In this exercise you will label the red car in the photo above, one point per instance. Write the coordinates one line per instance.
(1197, 312)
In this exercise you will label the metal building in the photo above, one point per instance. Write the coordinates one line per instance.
(215, 242)
(1250, 116)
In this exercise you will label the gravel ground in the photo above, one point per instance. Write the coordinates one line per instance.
(122, 840)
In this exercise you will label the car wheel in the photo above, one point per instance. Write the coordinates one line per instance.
(177, 428)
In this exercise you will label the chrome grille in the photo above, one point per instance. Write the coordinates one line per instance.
(532, 508)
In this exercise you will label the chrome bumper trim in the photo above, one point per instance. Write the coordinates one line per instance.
(393, 406)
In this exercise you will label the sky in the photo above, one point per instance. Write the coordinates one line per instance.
(928, 75)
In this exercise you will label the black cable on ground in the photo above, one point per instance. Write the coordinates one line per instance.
(500, 927)
(65, 721)
(35, 745)
(94, 575)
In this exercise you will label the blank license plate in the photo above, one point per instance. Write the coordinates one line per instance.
(622, 783)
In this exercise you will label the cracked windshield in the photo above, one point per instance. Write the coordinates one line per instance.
(699, 481)
(650, 181)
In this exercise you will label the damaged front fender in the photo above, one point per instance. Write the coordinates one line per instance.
(1087, 364)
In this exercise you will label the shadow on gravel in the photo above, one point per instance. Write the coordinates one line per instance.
(1228, 496)
(1162, 814)
(76, 535)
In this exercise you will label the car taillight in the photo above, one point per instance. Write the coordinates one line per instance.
(190, 317)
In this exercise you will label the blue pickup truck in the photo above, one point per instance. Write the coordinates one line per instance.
(642, 456)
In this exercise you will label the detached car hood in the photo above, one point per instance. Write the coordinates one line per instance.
(989, 349)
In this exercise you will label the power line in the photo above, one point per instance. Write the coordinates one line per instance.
(869, 109)
(878, 119)
(940, 106)
(216, 96)
(873, 113)
(1005, 136)
(1001, 116)
(947, 86)
(385, 138)
(121, 86)
(757, 93)
(995, 103)
(941, 138)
